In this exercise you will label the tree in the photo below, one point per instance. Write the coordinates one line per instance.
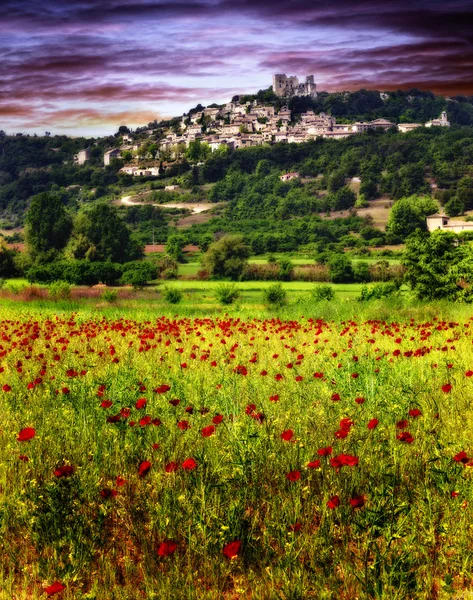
(341, 270)
(100, 235)
(454, 207)
(438, 266)
(409, 214)
(174, 246)
(227, 258)
(48, 226)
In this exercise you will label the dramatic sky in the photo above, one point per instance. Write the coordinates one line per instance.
(87, 66)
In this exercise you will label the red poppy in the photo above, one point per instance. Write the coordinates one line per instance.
(26, 434)
(141, 403)
(155, 446)
(274, 398)
(454, 494)
(23, 457)
(296, 527)
(469, 373)
(166, 548)
(120, 481)
(171, 467)
(208, 431)
(405, 436)
(189, 410)
(263, 373)
(293, 475)
(415, 412)
(175, 402)
(373, 424)
(334, 502)
(189, 464)
(324, 451)
(144, 468)
(65, 390)
(217, 419)
(335, 397)
(162, 389)
(287, 435)
(232, 549)
(346, 424)
(313, 464)
(318, 375)
(64, 471)
(55, 588)
(250, 408)
(357, 501)
(461, 457)
(108, 493)
(125, 412)
(278, 377)
(106, 403)
(6, 388)
(402, 424)
(446, 388)
(183, 425)
(241, 370)
(341, 434)
(114, 418)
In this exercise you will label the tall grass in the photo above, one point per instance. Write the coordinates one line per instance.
(252, 402)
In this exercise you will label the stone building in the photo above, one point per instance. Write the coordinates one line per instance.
(287, 87)
(442, 122)
(82, 157)
(437, 221)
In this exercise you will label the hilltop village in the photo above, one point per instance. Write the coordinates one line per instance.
(242, 124)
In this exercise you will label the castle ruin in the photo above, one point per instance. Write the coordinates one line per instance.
(287, 87)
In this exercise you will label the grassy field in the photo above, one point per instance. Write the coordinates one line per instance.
(269, 456)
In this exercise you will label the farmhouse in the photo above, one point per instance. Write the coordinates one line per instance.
(289, 176)
(443, 222)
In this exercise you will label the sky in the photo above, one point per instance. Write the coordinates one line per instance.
(84, 67)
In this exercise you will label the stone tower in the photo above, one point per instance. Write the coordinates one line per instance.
(280, 84)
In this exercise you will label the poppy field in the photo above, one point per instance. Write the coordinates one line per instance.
(180, 457)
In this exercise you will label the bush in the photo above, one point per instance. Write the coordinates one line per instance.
(227, 293)
(361, 272)
(377, 291)
(286, 269)
(275, 294)
(322, 292)
(109, 295)
(59, 290)
(172, 295)
(340, 269)
(138, 273)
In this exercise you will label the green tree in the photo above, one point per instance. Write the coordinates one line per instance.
(48, 226)
(175, 245)
(454, 207)
(438, 265)
(340, 267)
(100, 235)
(409, 214)
(228, 257)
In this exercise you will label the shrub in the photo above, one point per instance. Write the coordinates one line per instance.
(138, 273)
(340, 269)
(286, 269)
(361, 272)
(322, 292)
(275, 294)
(59, 290)
(172, 295)
(109, 295)
(227, 293)
(377, 291)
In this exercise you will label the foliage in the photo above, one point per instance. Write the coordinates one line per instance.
(227, 293)
(286, 269)
(439, 266)
(322, 292)
(109, 296)
(228, 257)
(175, 245)
(172, 295)
(139, 273)
(378, 290)
(48, 226)
(341, 270)
(408, 214)
(275, 295)
(8, 266)
(59, 290)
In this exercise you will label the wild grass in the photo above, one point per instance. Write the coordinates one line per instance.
(252, 399)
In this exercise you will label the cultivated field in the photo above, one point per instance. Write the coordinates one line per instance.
(298, 456)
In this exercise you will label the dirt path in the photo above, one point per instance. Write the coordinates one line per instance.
(194, 208)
